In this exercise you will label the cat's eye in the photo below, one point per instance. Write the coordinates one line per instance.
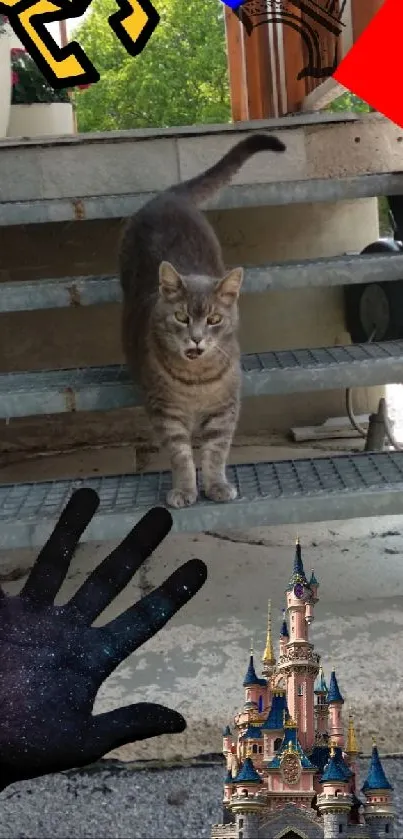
(214, 319)
(181, 317)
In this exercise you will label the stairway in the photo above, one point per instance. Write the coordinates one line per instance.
(314, 489)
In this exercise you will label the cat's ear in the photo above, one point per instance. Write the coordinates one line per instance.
(171, 284)
(227, 289)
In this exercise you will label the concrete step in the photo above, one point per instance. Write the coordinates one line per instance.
(271, 493)
(309, 273)
(284, 371)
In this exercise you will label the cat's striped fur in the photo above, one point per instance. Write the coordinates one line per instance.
(180, 319)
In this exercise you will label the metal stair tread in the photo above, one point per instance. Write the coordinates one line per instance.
(347, 269)
(274, 372)
(270, 493)
(275, 193)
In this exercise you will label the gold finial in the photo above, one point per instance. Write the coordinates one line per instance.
(249, 752)
(268, 655)
(332, 748)
(297, 542)
(290, 746)
(251, 645)
(352, 744)
(373, 740)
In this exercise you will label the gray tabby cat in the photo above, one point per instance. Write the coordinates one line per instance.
(180, 319)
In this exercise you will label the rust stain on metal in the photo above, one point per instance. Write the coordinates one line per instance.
(74, 294)
(79, 209)
(70, 399)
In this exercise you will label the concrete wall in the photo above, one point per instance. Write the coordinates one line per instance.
(91, 335)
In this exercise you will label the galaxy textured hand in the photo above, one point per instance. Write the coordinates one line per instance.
(53, 662)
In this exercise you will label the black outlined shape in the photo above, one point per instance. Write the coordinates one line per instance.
(253, 13)
(127, 9)
(63, 10)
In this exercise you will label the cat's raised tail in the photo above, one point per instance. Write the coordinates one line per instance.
(204, 186)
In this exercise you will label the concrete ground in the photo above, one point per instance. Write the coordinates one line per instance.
(171, 804)
(197, 663)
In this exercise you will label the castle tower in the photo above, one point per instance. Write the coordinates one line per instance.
(299, 664)
(379, 810)
(255, 688)
(335, 702)
(284, 635)
(352, 752)
(226, 742)
(334, 803)
(321, 707)
(248, 802)
(268, 659)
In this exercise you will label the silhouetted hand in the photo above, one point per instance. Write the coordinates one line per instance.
(53, 662)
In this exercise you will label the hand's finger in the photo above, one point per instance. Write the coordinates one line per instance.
(134, 722)
(114, 573)
(54, 559)
(139, 623)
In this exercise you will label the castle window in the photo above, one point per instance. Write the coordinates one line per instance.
(240, 822)
(260, 704)
(260, 750)
(300, 690)
(340, 828)
(240, 834)
(386, 828)
(254, 749)
(277, 743)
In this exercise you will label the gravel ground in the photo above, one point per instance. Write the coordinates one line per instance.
(174, 803)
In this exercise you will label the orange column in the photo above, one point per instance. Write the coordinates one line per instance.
(236, 66)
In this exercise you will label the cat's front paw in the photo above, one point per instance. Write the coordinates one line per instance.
(221, 491)
(181, 498)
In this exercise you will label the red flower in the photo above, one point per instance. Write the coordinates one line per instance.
(14, 78)
(18, 51)
(83, 86)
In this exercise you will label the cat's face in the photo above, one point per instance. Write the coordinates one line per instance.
(196, 315)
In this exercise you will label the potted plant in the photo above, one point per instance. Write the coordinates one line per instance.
(36, 108)
(5, 76)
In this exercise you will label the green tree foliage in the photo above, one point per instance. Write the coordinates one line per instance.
(180, 78)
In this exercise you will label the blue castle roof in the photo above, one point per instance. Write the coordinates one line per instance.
(313, 581)
(228, 778)
(226, 731)
(275, 718)
(250, 677)
(247, 774)
(290, 736)
(376, 778)
(333, 694)
(320, 683)
(253, 732)
(334, 771)
(284, 628)
(320, 758)
(298, 573)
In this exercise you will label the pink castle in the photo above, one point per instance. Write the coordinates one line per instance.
(291, 772)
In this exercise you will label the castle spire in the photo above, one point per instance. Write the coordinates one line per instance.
(298, 573)
(268, 659)
(352, 743)
(376, 778)
(284, 628)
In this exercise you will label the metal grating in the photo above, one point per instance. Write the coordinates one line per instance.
(288, 491)
(284, 371)
(87, 291)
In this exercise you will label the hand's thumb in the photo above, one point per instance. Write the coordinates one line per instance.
(134, 722)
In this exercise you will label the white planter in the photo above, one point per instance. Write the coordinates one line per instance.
(40, 120)
(5, 83)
